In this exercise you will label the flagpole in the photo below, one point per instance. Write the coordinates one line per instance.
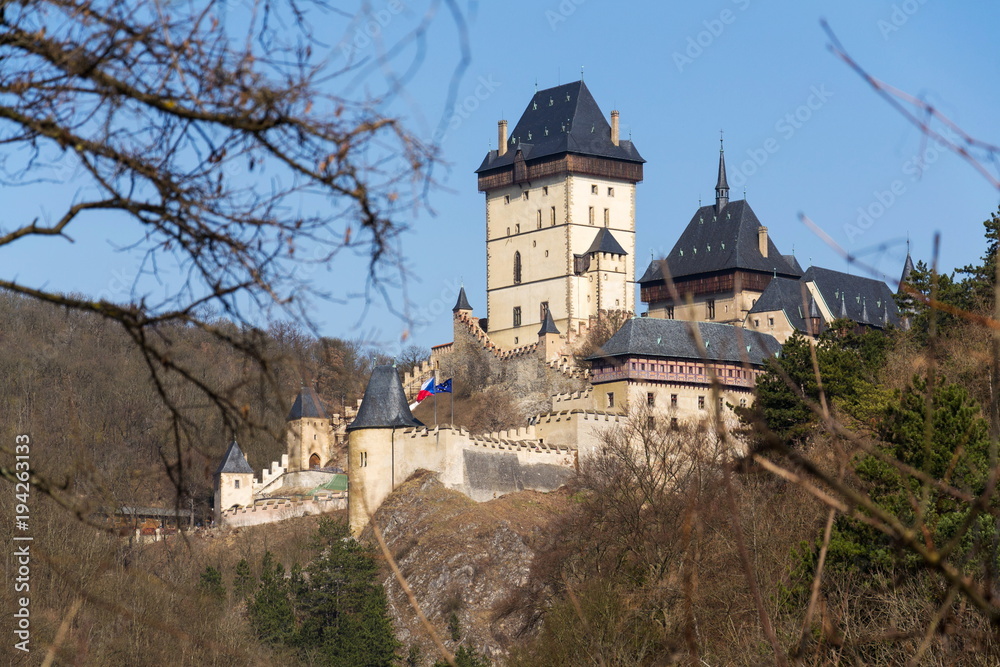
(452, 394)
(435, 399)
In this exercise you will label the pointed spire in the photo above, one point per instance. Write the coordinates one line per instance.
(548, 325)
(843, 306)
(722, 185)
(234, 461)
(307, 406)
(463, 301)
(384, 404)
(907, 270)
(864, 311)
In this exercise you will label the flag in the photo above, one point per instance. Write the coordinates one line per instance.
(426, 389)
(444, 387)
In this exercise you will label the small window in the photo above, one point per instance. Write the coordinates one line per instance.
(722, 404)
(539, 220)
(756, 323)
(710, 309)
(770, 321)
(517, 316)
(607, 217)
(611, 399)
(591, 215)
(650, 422)
(236, 483)
(552, 217)
(515, 340)
(701, 402)
(517, 229)
(508, 231)
(611, 192)
(593, 189)
(650, 399)
(673, 400)
(670, 312)
(546, 253)
(517, 268)
(673, 423)
(743, 402)
(524, 195)
(545, 190)
(506, 199)
(642, 367)
(363, 456)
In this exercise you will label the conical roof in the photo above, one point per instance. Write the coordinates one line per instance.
(605, 241)
(463, 301)
(907, 272)
(307, 406)
(384, 404)
(234, 461)
(722, 183)
(548, 325)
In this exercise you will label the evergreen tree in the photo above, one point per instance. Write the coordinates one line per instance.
(210, 584)
(243, 582)
(270, 610)
(466, 657)
(980, 283)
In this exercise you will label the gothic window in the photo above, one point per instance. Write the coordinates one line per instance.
(670, 312)
(701, 402)
(314, 461)
(517, 316)
(552, 217)
(607, 217)
(710, 309)
(591, 215)
(543, 308)
(517, 268)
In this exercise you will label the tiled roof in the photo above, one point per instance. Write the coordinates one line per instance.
(653, 337)
(384, 404)
(307, 406)
(234, 461)
(564, 119)
(718, 241)
(548, 325)
(463, 301)
(864, 300)
(606, 242)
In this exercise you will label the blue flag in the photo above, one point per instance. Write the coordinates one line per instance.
(444, 387)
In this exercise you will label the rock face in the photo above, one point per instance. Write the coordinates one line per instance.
(464, 562)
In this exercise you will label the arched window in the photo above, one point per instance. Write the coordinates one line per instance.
(314, 461)
(517, 268)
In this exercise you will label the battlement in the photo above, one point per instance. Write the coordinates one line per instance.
(279, 509)
(268, 475)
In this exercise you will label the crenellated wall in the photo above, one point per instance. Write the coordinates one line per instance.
(277, 510)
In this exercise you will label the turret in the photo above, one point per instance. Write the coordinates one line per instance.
(722, 184)
(310, 434)
(549, 339)
(372, 457)
(233, 482)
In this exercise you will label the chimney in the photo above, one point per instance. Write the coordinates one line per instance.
(614, 127)
(762, 240)
(502, 137)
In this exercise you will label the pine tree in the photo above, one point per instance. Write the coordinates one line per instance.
(270, 611)
(243, 582)
(210, 584)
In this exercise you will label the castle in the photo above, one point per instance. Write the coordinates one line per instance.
(560, 235)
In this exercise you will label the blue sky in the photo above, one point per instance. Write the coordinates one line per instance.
(803, 134)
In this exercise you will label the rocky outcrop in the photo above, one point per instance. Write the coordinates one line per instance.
(463, 561)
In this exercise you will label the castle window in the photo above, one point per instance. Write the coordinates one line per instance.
(650, 422)
(506, 199)
(611, 192)
(670, 312)
(539, 218)
(743, 402)
(593, 189)
(524, 195)
(546, 253)
(517, 268)
(552, 217)
(236, 483)
(673, 400)
(673, 423)
(508, 231)
(517, 229)
(363, 459)
(756, 323)
(611, 399)
(545, 189)
(543, 308)
(650, 399)
(607, 217)
(701, 402)
(591, 215)
(770, 321)
(517, 316)
(710, 309)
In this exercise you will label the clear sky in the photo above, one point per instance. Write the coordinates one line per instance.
(803, 133)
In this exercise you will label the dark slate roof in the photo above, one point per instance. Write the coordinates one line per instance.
(722, 183)
(384, 404)
(719, 241)
(548, 326)
(564, 119)
(653, 337)
(907, 272)
(307, 406)
(234, 461)
(794, 263)
(864, 300)
(463, 301)
(606, 242)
